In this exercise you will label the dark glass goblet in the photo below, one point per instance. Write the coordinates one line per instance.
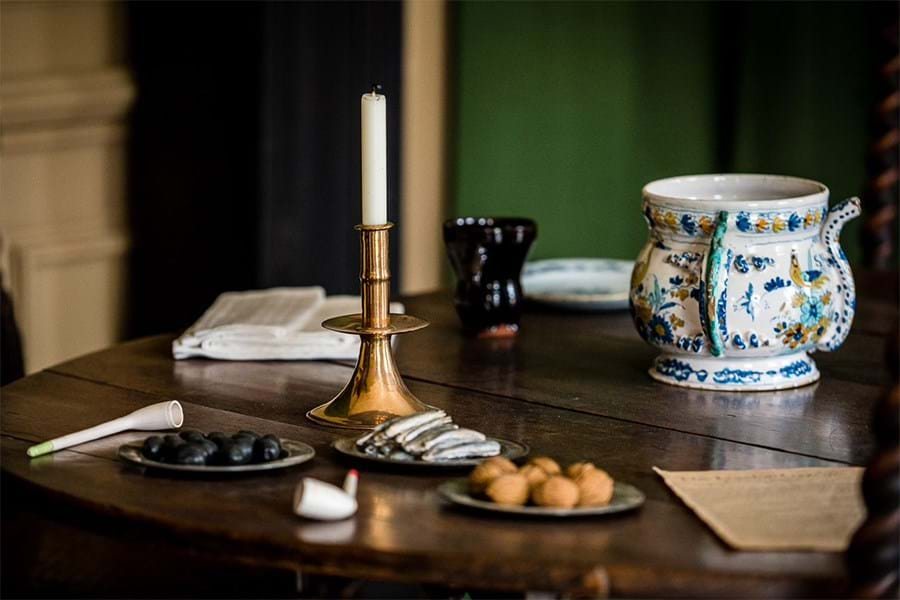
(487, 254)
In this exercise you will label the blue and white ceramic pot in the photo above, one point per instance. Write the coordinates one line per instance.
(742, 278)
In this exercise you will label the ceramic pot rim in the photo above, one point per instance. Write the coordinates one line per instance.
(693, 192)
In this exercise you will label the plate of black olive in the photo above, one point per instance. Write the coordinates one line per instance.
(216, 452)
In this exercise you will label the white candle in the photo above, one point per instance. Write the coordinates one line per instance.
(374, 159)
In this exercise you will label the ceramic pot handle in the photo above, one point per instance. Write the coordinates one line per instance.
(845, 300)
(715, 287)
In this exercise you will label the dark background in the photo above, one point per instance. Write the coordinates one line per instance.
(244, 161)
(245, 148)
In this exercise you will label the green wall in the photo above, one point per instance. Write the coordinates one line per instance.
(564, 110)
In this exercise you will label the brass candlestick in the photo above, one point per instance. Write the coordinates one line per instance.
(375, 392)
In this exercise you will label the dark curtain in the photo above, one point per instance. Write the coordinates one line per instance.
(318, 59)
(244, 155)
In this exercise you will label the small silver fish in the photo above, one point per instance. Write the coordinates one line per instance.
(411, 422)
(462, 451)
(380, 439)
(414, 446)
(365, 439)
(454, 438)
(410, 435)
(401, 456)
(436, 438)
(385, 450)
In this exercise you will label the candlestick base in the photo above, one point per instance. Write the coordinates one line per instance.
(376, 391)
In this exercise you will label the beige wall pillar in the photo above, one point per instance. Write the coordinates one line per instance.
(64, 97)
(423, 170)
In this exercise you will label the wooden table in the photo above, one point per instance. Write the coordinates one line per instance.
(573, 386)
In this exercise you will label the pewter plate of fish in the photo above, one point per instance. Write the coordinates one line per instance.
(625, 497)
(429, 438)
(509, 449)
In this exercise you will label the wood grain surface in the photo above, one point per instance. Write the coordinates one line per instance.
(571, 386)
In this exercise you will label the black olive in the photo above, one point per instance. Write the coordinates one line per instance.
(153, 447)
(244, 442)
(208, 446)
(277, 442)
(236, 452)
(171, 443)
(266, 448)
(191, 435)
(245, 435)
(274, 438)
(218, 438)
(191, 454)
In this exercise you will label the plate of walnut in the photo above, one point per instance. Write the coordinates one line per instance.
(542, 489)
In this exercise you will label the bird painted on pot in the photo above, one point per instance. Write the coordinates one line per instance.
(812, 278)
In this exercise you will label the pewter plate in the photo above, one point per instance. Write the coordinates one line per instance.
(292, 453)
(347, 446)
(625, 497)
(586, 284)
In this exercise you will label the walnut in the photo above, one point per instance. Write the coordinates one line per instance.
(534, 474)
(573, 471)
(502, 463)
(556, 492)
(595, 487)
(488, 471)
(511, 488)
(550, 466)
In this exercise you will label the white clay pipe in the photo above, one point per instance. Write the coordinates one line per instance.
(322, 501)
(162, 415)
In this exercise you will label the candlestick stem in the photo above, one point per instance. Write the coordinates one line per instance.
(376, 391)
(374, 275)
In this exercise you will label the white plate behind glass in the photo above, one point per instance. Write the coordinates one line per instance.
(595, 284)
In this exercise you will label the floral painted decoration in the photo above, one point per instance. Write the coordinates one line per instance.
(693, 224)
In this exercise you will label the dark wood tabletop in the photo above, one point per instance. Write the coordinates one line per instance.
(573, 386)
